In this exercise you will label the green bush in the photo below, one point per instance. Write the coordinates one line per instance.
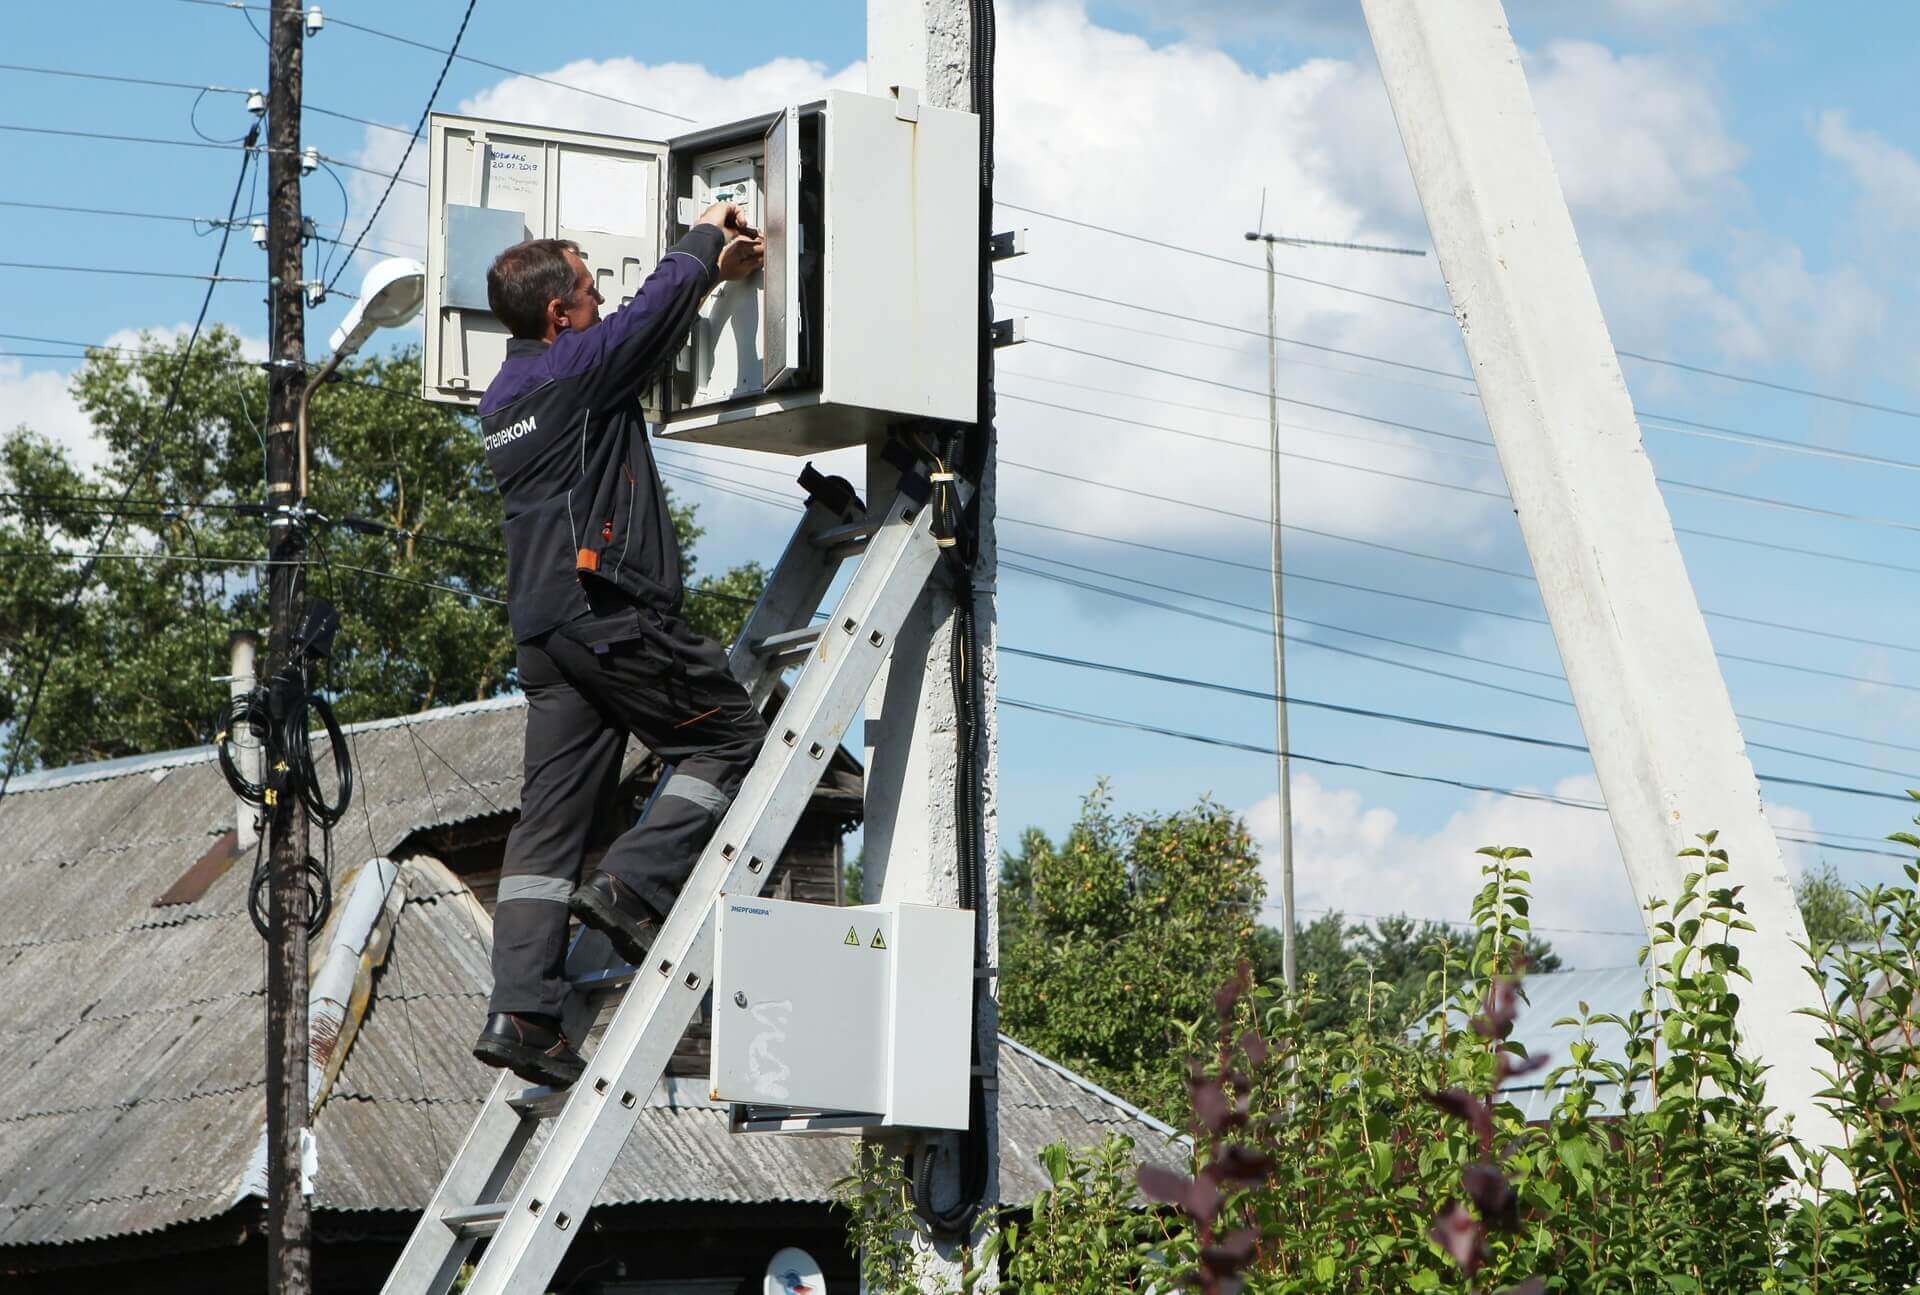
(1365, 1160)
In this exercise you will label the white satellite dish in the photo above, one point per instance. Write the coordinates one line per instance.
(794, 1272)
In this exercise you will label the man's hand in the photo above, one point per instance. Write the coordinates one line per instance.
(741, 257)
(726, 217)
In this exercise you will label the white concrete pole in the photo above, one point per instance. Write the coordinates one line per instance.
(1666, 747)
(910, 848)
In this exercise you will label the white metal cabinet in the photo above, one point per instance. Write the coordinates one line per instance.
(861, 318)
(835, 1017)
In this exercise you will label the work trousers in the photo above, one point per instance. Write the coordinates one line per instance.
(623, 668)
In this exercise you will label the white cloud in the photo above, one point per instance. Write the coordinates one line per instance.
(1341, 20)
(39, 399)
(1888, 177)
(1636, 138)
(1356, 857)
(43, 400)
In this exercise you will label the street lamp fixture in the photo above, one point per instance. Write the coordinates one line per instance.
(390, 296)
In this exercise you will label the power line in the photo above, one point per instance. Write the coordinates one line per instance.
(1416, 721)
(1367, 656)
(189, 143)
(1233, 328)
(212, 222)
(144, 274)
(123, 80)
(1230, 348)
(1109, 721)
(501, 67)
(190, 85)
(1669, 424)
(1748, 380)
(412, 140)
(751, 493)
(1285, 400)
(1437, 310)
(146, 458)
(1435, 557)
(1229, 562)
(1224, 260)
(1717, 492)
(1725, 656)
(1445, 485)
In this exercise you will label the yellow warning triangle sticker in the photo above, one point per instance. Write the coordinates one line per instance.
(853, 938)
(878, 943)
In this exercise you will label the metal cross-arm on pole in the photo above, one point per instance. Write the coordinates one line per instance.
(1665, 743)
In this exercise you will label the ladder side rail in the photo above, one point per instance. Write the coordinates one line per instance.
(588, 1136)
(793, 592)
(435, 1251)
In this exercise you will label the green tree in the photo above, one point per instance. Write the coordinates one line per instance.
(1378, 972)
(1833, 913)
(1114, 940)
(418, 626)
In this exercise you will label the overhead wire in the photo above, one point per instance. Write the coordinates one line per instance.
(1718, 492)
(1670, 424)
(412, 141)
(1445, 485)
(764, 497)
(1727, 656)
(1416, 721)
(1723, 375)
(193, 143)
(1110, 721)
(212, 223)
(25, 724)
(463, 58)
(1229, 562)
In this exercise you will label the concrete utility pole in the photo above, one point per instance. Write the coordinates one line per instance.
(910, 850)
(289, 1227)
(1666, 747)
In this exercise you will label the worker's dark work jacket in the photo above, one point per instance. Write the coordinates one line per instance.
(566, 439)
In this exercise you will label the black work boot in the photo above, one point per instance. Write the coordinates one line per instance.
(613, 908)
(531, 1046)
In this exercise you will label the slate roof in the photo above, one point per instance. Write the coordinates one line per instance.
(131, 1059)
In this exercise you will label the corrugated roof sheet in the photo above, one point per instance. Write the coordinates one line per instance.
(410, 1087)
(131, 1058)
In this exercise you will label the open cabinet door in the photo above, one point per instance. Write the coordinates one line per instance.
(784, 357)
(491, 184)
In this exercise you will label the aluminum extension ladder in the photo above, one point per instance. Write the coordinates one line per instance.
(650, 1007)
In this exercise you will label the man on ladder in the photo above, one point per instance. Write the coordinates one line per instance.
(593, 595)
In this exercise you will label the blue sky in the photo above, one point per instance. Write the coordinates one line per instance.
(1744, 183)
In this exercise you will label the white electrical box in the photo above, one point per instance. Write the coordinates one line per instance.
(863, 316)
(830, 1018)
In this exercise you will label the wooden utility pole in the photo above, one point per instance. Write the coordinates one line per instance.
(1666, 746)
(289, 1228)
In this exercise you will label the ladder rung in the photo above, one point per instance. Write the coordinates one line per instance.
(852, 533)
(539, 1102)
(790, 643)
(476, 1220)
(599, 981)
